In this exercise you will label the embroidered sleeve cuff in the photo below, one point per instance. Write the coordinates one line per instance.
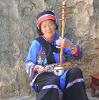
(30, 69)
(75, 53)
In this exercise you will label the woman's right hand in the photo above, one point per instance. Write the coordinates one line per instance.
(40, 69)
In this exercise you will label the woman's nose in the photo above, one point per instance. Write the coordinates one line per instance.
(48, 27)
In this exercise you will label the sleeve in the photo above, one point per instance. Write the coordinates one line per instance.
(77, 55)
(32, 58)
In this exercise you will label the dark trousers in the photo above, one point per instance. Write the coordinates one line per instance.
(49, 86)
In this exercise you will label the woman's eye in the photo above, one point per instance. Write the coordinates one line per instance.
(51, 23)
(44, 26)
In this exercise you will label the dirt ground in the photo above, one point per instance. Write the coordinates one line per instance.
(33, 97)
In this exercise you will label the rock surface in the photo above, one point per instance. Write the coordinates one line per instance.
(33, 97)
(18, 29)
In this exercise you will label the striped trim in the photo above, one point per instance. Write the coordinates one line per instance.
(33, 80)
(29, 67)
(50, 86)
(45, 17)
(75, 81)
(54, 87)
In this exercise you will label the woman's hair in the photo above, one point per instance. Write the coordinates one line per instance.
(45, 15)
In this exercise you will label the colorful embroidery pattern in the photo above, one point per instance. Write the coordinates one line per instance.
(42, 57)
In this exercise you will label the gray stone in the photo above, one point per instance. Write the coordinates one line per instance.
(33, 97)
(18, 29)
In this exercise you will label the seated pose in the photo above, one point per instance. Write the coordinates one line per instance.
(45, 52)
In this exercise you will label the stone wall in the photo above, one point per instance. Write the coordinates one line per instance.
(18, 29)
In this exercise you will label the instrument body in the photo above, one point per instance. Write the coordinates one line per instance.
(57, 69)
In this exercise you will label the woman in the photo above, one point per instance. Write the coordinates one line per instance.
(45, 51)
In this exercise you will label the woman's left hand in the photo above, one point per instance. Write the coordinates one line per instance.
(64, 43)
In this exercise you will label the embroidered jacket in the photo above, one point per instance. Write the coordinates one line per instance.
(37, 55)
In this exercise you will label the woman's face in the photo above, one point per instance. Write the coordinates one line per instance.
(48, 29)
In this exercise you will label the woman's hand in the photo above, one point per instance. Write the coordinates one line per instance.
(60, 43)
(65, 43)
(40, 69)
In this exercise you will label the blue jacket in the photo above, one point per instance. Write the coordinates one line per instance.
(37, 55)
